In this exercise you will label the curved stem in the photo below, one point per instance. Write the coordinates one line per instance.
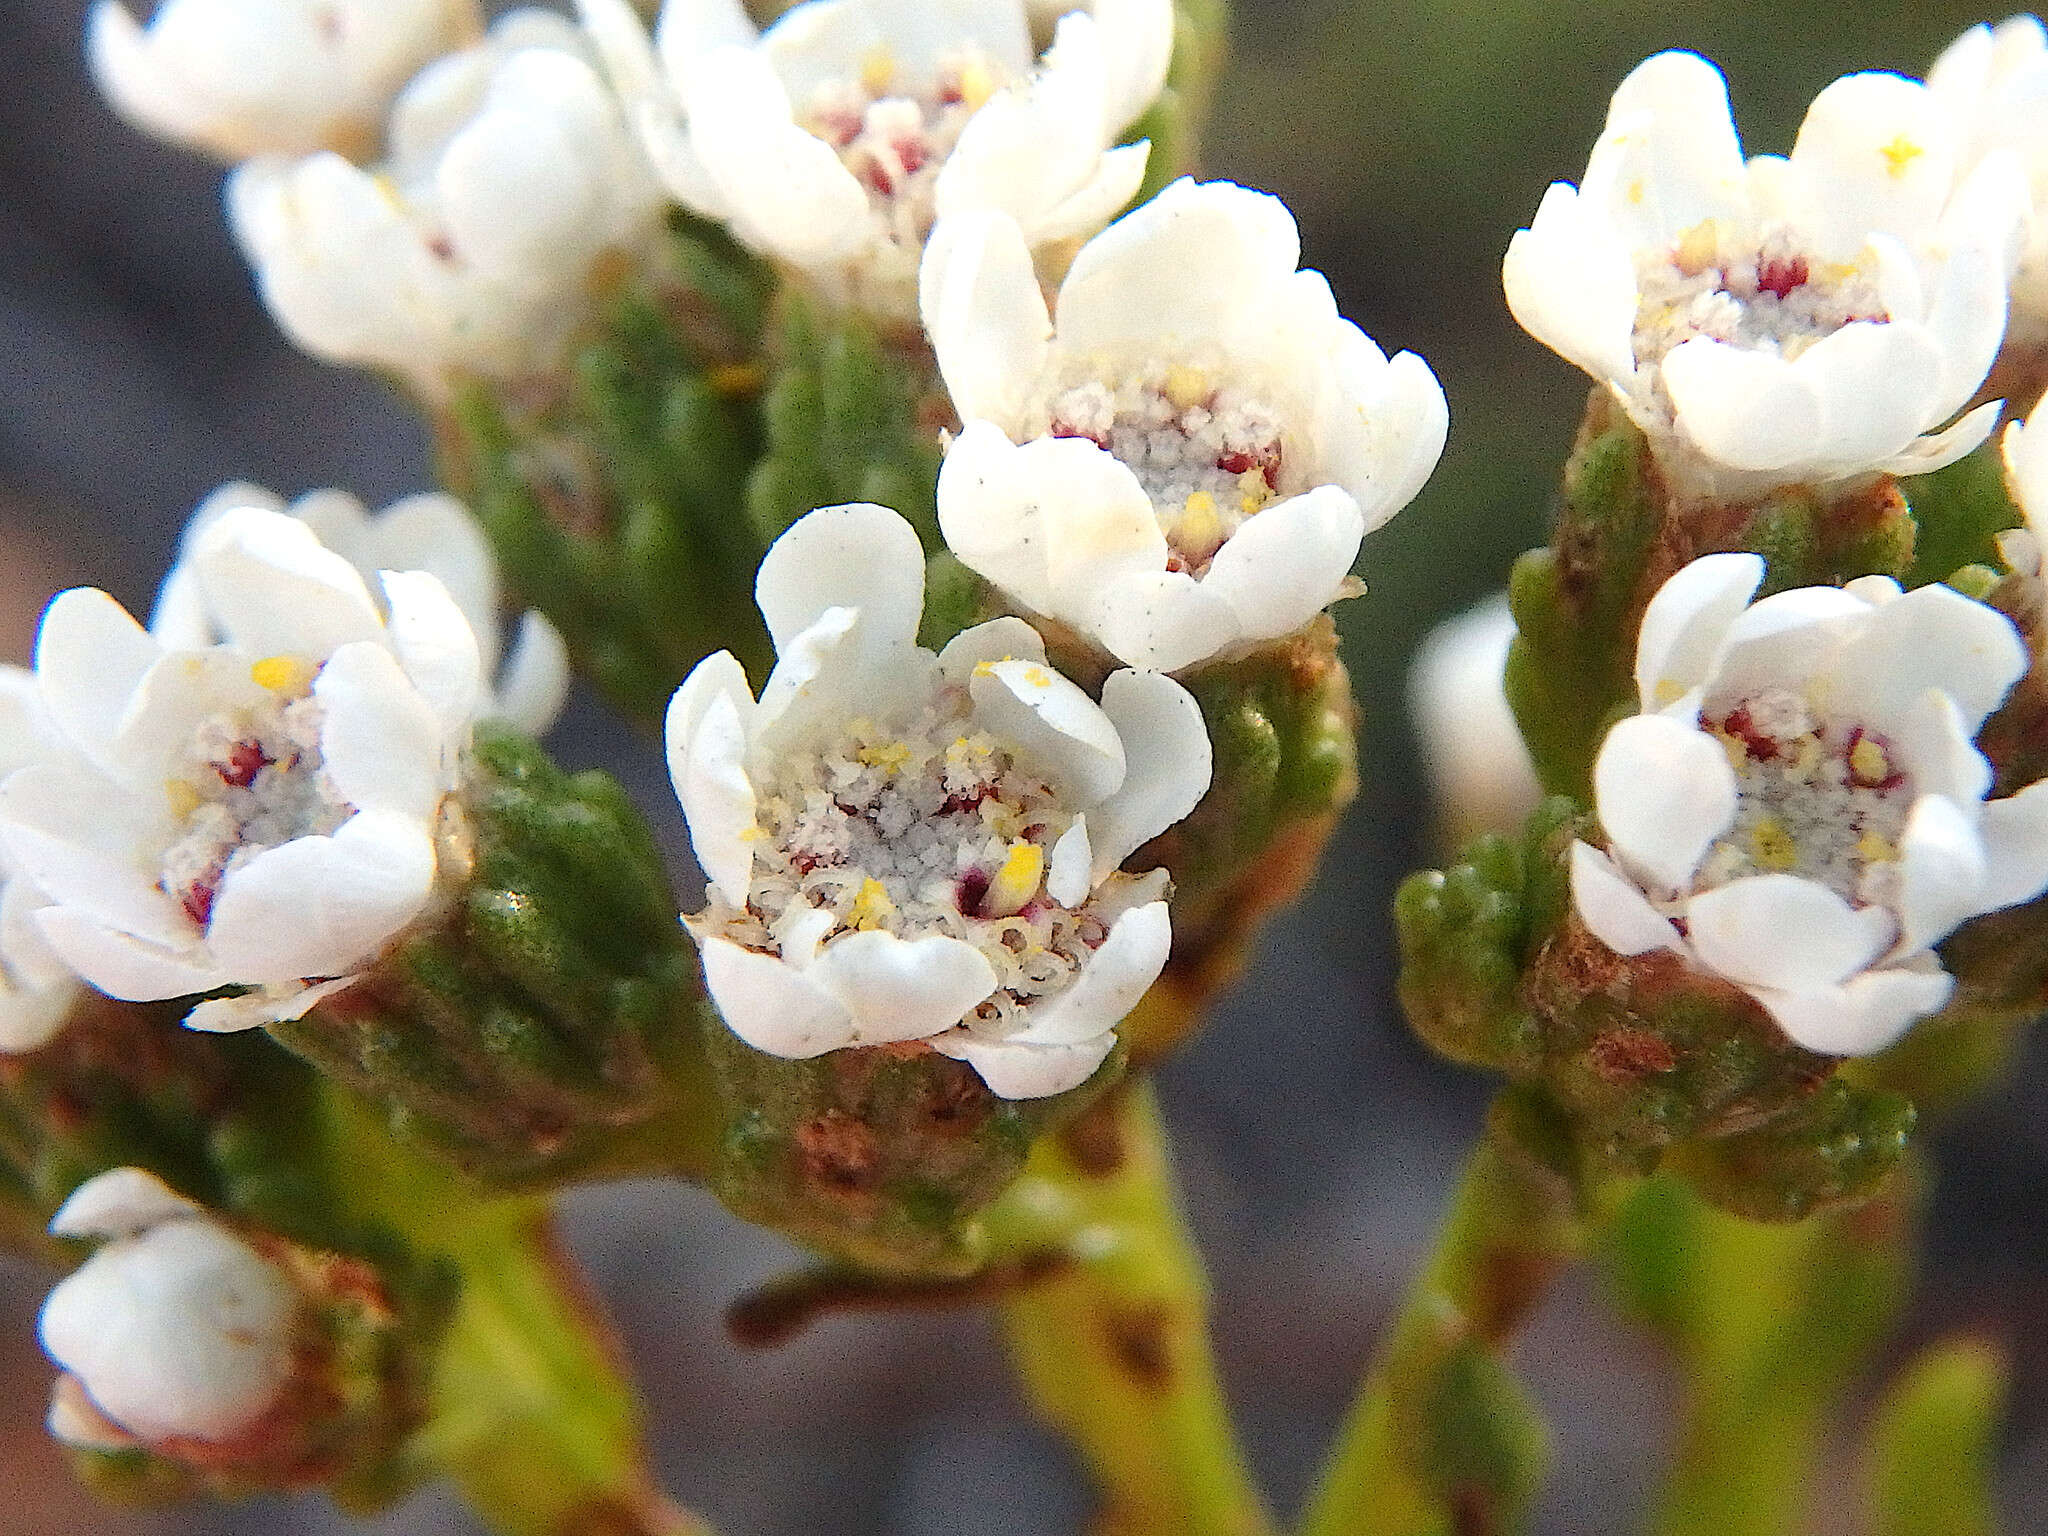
(1112, 1344)
(1441, 1438)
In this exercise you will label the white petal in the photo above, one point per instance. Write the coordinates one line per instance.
(276, 1003)
(321, 906)
(1941, 874)
(902, 989)
(1113, 978)
(123, 966)
(771, 1004)
(91, 657)
(276, 590)
(1932, 745)
(1027, 1071)
(1863, 1015)
(182, 1332)
(1285, 565)
(119, 1202)
(90, 847)
(1052, 522)
(1384, 428)
(710, 775)
(1686, 626)
(858, 556)
(1852, 166)
(1938, 450)
(1745, 409)
(985, 314)
(533, 685)
(380, 743)
(436, 646)
(1003, 639)
(1877, 385)
(1669, 157)
(1164, 620)
(1118, 176)
(1166, 745)
(1931, 637)
(1052, 725)
(1571, 284)
(2015, 833)
(1664, 792)
(1783, 640)
(1070, 872)
(1614, 908)
(1785, 933)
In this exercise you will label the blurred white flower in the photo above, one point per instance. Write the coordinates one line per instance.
(512, 191)
(1183, 455)
(1802, 319)
(833, 139)
(1995, 80)
(1479, 770)
(175, 1329)
(37, 988)
(239, 78)
(260, 813)
(1799, 807)
(904, 846)
(430, 532)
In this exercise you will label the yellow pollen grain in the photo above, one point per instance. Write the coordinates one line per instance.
(281, 674)
(871, 905)
(1016, 882)
(1186, 387)
(977, 84)
(1252, 491)
(889, 756)
(1037, 677)
(1636, 190)
(1873, 849)
(877, 69)
(1668, 691)
(184, 799)
(1900, 154)
(1773, 845)
(1200, 524)
(1696, 248)
(1867, 760)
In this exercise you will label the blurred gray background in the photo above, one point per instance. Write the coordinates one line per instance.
(1316, 1139)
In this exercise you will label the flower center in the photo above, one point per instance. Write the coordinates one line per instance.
(1766, 295)
(251, 780)
(895, 142)
(932, 828)
(1207, 454)
(1820, 800)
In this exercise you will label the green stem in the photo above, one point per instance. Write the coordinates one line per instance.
(532, 1413)
(1934, 1445)
(1442, 1439)
(1112, 1345)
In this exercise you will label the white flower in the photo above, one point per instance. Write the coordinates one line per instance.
(512, 189)
(238, 78)
(904, 846)
(1183, 455)
(260, 813)
(1801, 319)
(834, 139)
(1478, 766)
(1799, 807)
(429, 532)
(175, 1329)
(37, 989)
(1995, 80)
(2026, 475)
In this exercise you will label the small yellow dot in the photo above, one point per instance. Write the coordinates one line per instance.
(281, 674)
(877, 69)
(1900, 154)
(1873, 849)
(1773, 845)
(1867, 760)
(871, 905)
(1186, 387)
(183, 798)
(977, 84)
(1016, 882)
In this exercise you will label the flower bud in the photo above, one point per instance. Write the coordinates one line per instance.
(1173, 469)
(269, 77)
(1479, 771)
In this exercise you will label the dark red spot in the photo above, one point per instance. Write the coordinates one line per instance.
(197, 900)
(950, 94)
(1235, 463)
(972, 891)
(1068, 429)
(1781, 276)
(912, 154)
(1892, 779)
(966, 800)
(245, 760)
(442, 248)
(877, 176)
(1739, 725)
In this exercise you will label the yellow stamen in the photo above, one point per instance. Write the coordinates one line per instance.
(889, 756)
(1201, 527)
(1901, 153)
(1697, 248)
(977, 84)
(871, 906)
(183, 797)
(282, 674)
(1873, 849)
(1867, 760)
(1773, 845)
(1016, 882)
(1668, 691)
(1186, 387)
(1253, 493)
(877, 69)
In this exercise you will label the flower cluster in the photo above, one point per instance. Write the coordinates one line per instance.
(1799, 807)
(905, 846)
(1807, 319)
(835, 139)
(263, 811)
